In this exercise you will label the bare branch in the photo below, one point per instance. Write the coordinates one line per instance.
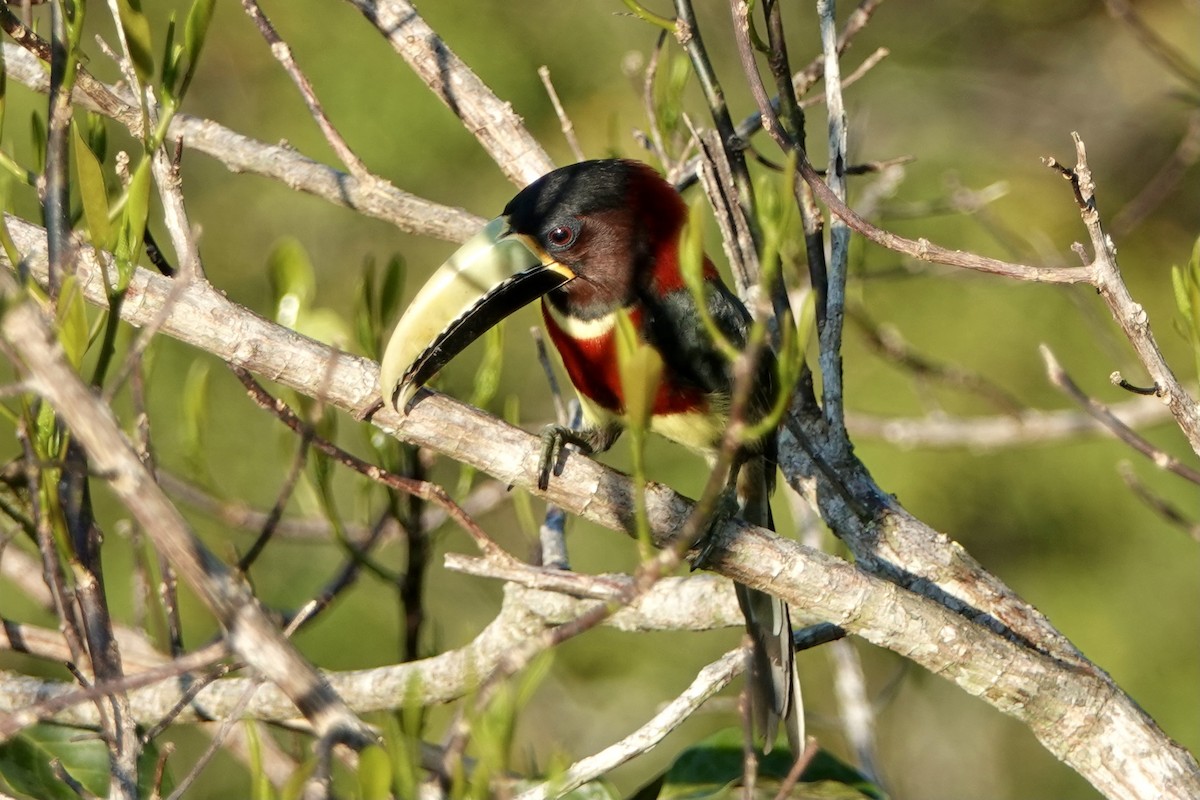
(283, 54)
(568, 128)
(251, 634)
(491, 120)
(1104, 273)
(1073, 708)
(710, 680)
(1099, 412)
(1030, 426)
(240, 153)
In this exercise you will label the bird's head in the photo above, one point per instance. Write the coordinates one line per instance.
(590, 235)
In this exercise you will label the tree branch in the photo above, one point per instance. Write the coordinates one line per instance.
(1073, 708)
(238, 153)
(493, 122)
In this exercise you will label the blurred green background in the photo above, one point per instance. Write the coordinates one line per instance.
(978, 93)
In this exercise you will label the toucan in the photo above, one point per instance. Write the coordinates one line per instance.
(594, 241)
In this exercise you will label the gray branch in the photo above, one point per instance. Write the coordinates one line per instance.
(1074, 709)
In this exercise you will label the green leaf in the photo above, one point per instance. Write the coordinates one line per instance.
(487, 377)
(195, 31)
(393, 287)
(131, 226)
(364, 313)
(1182, 301)
(97, 135)
(6, 240)
(71, 321)
(92, 191)
(326, 325)
(3, 88)
(374, 773)
(640, 368)
(25, 763)
(293, 789)
(712, 767)
(194, 417)
(37, 133)
(172, 53)
(293, 282)
(260, 783)
(137, 35)
(377, 299)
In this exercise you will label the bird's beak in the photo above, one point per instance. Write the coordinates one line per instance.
(492, 275)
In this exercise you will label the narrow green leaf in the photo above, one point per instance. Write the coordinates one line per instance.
(293, 789)
(325, 325)
(194, 418)
(1179, 284)
(692, 265)
(404, 752)
(92, 191)
(3, 88)
(393, 286)
(260, 784)
(365, 316)
(37, 132)
(293, 282)
(640, 368)
(6, 240)
(71, 319)
(131, 226)
(374, 774)
(97, 135)
(172, 54)
(137, 34)
(487, 377)
(195, 31)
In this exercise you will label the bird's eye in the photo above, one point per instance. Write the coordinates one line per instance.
(561, 236)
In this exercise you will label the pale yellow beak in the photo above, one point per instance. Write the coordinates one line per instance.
(492, 275)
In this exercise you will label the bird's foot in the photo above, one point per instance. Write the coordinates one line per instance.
(725, 509)
(554, 438)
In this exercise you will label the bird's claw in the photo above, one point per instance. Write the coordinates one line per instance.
(554, 438)
(725, 509)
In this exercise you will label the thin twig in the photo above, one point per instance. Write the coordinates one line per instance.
(252, 635)
(889, 344)
(492, 121)
(1163, 182)
(830, 334)
(422, 489)
(687, 33)
(940, 430)
(56, 201)
(1161, 458)
(710, 680)
(283, 54)
(1131, 316)
(239, 153)
(1159, 505)
(1155, 45)
(282, 497)
(568, 128)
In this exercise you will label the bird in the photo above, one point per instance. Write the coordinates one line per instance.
(595, 241)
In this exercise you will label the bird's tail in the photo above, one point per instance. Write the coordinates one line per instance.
(774, 681)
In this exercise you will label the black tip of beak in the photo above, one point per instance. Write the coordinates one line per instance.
(500, 302)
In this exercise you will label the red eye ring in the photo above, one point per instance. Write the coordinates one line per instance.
(560, 236)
